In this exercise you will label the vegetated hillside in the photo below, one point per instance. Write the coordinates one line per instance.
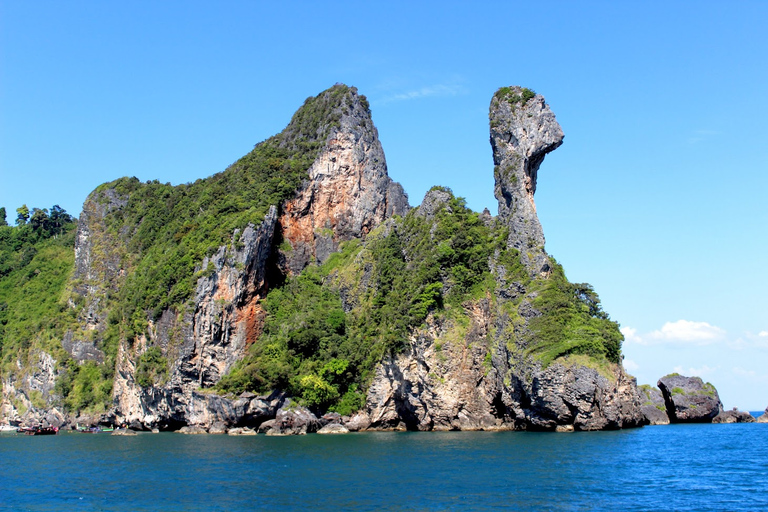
(36, 261)
(164, 232)
(329, 327)
(301, 269)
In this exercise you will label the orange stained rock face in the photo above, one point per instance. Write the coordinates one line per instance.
(336, 182)
(253, 315)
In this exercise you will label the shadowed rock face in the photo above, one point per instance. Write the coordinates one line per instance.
(689, 399)
(523, 131)
(652, 405)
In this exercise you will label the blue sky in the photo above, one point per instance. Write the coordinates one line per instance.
(657, 196)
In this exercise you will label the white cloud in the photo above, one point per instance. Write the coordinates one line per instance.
(750, 375)
(630, 365)
(700, 333)
(630, 334)
(763, 334)
(440, 90)
(738, 344)
(694, 372)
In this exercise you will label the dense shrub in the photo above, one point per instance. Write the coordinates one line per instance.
(151, 368)
(572, 322)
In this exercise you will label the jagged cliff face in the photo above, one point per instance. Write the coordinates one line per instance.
(523, 131)
(347, 195)
(202, 344)
(466, 366)
(473, 371)
(483, 376)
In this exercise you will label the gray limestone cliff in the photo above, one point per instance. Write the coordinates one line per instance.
(472, 369)
(453, 376)
(523, 131)
(346, 193)
(481, 376)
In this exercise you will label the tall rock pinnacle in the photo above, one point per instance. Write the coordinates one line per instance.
(523, 131)
(348, 192)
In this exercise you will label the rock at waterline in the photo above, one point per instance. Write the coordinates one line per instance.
(734, 416)
(689, 399)
(334, 428)
(652, 405)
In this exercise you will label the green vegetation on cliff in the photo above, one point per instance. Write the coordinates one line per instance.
(327, 328)
(316, 351)
(571, 322)
(170, 229)
(36, 260)
(514, 95)
(36, 264)
(406, 269)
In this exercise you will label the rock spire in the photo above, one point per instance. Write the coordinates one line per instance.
(523, 131)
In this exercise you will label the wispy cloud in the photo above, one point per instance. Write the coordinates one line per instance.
(701, 333)
(630, 365)
(630, 334)
(750, 375)
(750, 340)
(439, 90)
(697, 372)
(680, 332)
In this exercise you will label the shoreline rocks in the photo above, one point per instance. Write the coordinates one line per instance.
(689, 399)
(653, 407)
(734, 416)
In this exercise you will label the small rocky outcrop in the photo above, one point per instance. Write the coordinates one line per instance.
(652, 405)
(192, 429)
(689, 399)
(523, 131)
(291, 420)
(734, 416)
(763, 418)
(123, 432)
(333, 428)
(357, 422)
(218, 427)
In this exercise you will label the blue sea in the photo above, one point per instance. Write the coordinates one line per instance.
(675, 467)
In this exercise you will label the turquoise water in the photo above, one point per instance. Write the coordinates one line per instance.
(676, 467)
